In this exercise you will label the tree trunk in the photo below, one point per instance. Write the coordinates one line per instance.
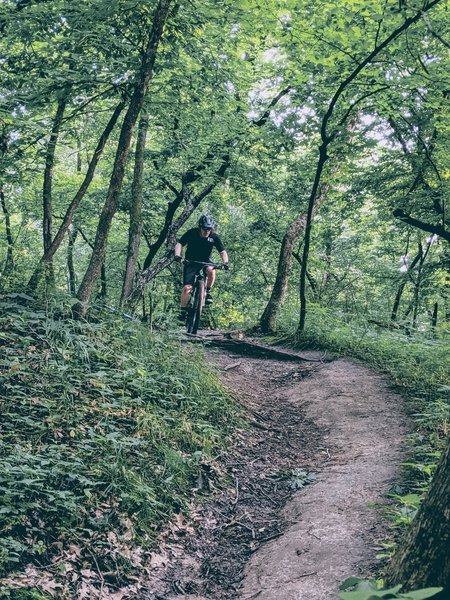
(103, 283)
(48, 181)
(423, 558)
(312, 209)
(67, 220)
(135, 232)
(123, 148)
(70, 266)
(9, 261)
(434, 316)
(416, 302)
(268, 321)
(269, 317)
(79, 165)
(402, 285)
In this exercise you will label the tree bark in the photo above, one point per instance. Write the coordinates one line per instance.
(419, 281)
(423, 557)
(70, 266)
(68, 217)
(439, 230)
(9, 261)
(312, 209)
(268, 321)
(109, 209)
(103, 283)
(434, 316)
(47, 200)
(402, 286)
(135, 230)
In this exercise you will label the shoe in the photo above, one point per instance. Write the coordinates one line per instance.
(208, 298)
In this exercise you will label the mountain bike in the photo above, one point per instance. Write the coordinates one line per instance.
(198, 294)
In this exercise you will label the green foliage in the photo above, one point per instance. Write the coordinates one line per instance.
(371, 590)
(105, 429)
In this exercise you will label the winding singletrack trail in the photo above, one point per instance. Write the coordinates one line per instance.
(259, 537)
(333, 522)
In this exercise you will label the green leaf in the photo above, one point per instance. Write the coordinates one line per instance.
(421, 594)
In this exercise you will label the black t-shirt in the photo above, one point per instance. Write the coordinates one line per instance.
(200, 248)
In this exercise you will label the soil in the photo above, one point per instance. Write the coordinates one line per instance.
(294, 508)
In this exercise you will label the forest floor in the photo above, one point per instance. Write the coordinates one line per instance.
(300, 510)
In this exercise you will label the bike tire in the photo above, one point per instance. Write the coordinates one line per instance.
(195, 311)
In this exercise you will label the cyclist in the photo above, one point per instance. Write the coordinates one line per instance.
(200, 242)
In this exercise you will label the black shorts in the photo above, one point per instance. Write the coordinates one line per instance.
(189, 272)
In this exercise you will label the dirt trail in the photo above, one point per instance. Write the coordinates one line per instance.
(335, 425)
(334, 528)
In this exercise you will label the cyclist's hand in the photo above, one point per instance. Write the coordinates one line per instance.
(226, 266)
(177, 258)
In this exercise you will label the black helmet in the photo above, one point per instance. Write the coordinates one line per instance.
(206, 222)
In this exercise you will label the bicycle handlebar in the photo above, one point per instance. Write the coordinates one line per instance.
(204, 264)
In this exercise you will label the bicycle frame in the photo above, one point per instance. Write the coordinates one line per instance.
(198, 294)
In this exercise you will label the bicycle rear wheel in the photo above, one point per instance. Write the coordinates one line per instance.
(195, 310)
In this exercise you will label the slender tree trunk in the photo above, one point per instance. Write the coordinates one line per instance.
(102, 292)
(48, 173)
(419, 280)
(79, 166)
(397, 300)
(68, 217)
(312, 208)
(103, 283)
(9, 261)
(423, 558)
(268, 319)
(135, 231)
(312, 282)
(402, 285)
(70, 266)
(434, 317)
(47, 200)
(123, 148)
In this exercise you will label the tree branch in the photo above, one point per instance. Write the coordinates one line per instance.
(435, 229)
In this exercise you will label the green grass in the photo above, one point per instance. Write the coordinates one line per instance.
(105, 429)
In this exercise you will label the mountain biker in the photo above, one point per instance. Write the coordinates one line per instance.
(200, 242)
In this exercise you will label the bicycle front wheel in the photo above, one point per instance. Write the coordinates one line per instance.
(195, 311)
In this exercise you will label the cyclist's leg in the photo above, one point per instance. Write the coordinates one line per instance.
(189, 272)
(211, 277)
(185, 295)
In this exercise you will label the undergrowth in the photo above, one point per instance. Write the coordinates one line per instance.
(106, 428)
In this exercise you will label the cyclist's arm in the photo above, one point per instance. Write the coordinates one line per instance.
(224, 257)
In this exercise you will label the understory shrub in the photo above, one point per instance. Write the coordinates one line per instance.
(105, 430)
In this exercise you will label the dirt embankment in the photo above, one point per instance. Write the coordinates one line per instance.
(297, 516)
